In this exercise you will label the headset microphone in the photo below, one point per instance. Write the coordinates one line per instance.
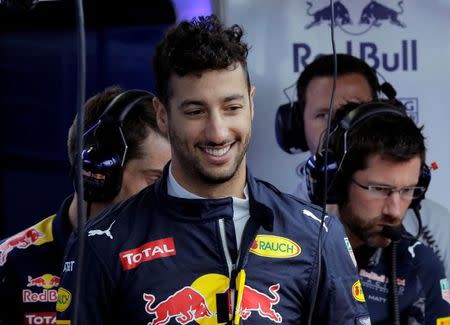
(396, 233)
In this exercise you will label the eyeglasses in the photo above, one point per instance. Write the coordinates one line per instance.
(384, 191)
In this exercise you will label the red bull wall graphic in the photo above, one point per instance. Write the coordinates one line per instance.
(196, 303)
(405, 41)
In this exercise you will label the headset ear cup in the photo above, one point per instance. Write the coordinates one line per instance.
(315, 170)
(298, 128)
(289, 129)
(424, 181)
(283, 129)
(102, 175)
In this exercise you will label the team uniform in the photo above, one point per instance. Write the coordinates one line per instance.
(423, 290)
(435, 222)
(30, 265)
(160, 259)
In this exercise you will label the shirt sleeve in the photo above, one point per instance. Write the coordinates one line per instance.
(340, 299)
(94, 291)
(436, 289)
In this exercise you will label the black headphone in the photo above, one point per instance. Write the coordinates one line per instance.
(289, 123)
(103, 167)
(315, 166)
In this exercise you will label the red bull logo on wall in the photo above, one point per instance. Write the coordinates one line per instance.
(355, 17)
(197, 303)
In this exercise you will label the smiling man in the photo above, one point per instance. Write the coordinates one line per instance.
(209, 243)
(381, 157)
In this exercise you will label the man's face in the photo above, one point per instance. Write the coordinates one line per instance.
(144, 171)
(349, 88)
(363, 215)
(209, 124)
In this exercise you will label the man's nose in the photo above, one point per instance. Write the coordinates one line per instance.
(216, 130)
(395, 207)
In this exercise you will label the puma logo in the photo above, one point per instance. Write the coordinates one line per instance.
(311, 215)
(411, 249)
(106, 232)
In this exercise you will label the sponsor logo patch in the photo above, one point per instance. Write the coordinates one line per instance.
(358, 292)
(38, 318)
(46, 281)
(275, 247)
(147, 252)
(445, 290)
(47, 295)
(198, 303)
(443, 321)
(64, 299)
(350, 250)
(68, 266)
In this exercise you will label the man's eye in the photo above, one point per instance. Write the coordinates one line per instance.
(380, 189)
(408, 190)
(193, 112)
(234, 108)
(321, 116)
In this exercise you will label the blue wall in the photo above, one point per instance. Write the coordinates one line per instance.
(38, 80)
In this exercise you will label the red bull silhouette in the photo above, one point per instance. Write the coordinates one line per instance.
(21, 240)
(46, 280)
(341, 15)
(253, 300)
(374, 12)
(185, 305)
(36, 282)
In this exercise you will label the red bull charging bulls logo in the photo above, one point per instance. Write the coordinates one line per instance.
(354, 17)
(255, 301)
(197, 303)
(21, 241)
(185, 305)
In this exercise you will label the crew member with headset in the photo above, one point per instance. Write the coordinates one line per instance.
(300, 125)
(376, 170)
(124, 152)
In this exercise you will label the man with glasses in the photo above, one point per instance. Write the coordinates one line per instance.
(380, 171)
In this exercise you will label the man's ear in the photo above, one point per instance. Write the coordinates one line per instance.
(161, 115)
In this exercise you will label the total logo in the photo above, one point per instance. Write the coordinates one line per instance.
(355, 17)
(197, 302)
(40, 318)
(47, 282)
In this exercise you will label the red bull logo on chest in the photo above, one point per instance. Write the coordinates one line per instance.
(185, 305)
(197, 303)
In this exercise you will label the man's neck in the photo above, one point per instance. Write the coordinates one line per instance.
(95, 209)
(232, 188)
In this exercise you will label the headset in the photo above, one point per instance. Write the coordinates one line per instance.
(289, 123)
(102, 167)
(315, 168)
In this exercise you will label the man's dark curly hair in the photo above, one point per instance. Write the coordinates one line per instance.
(193, 47)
